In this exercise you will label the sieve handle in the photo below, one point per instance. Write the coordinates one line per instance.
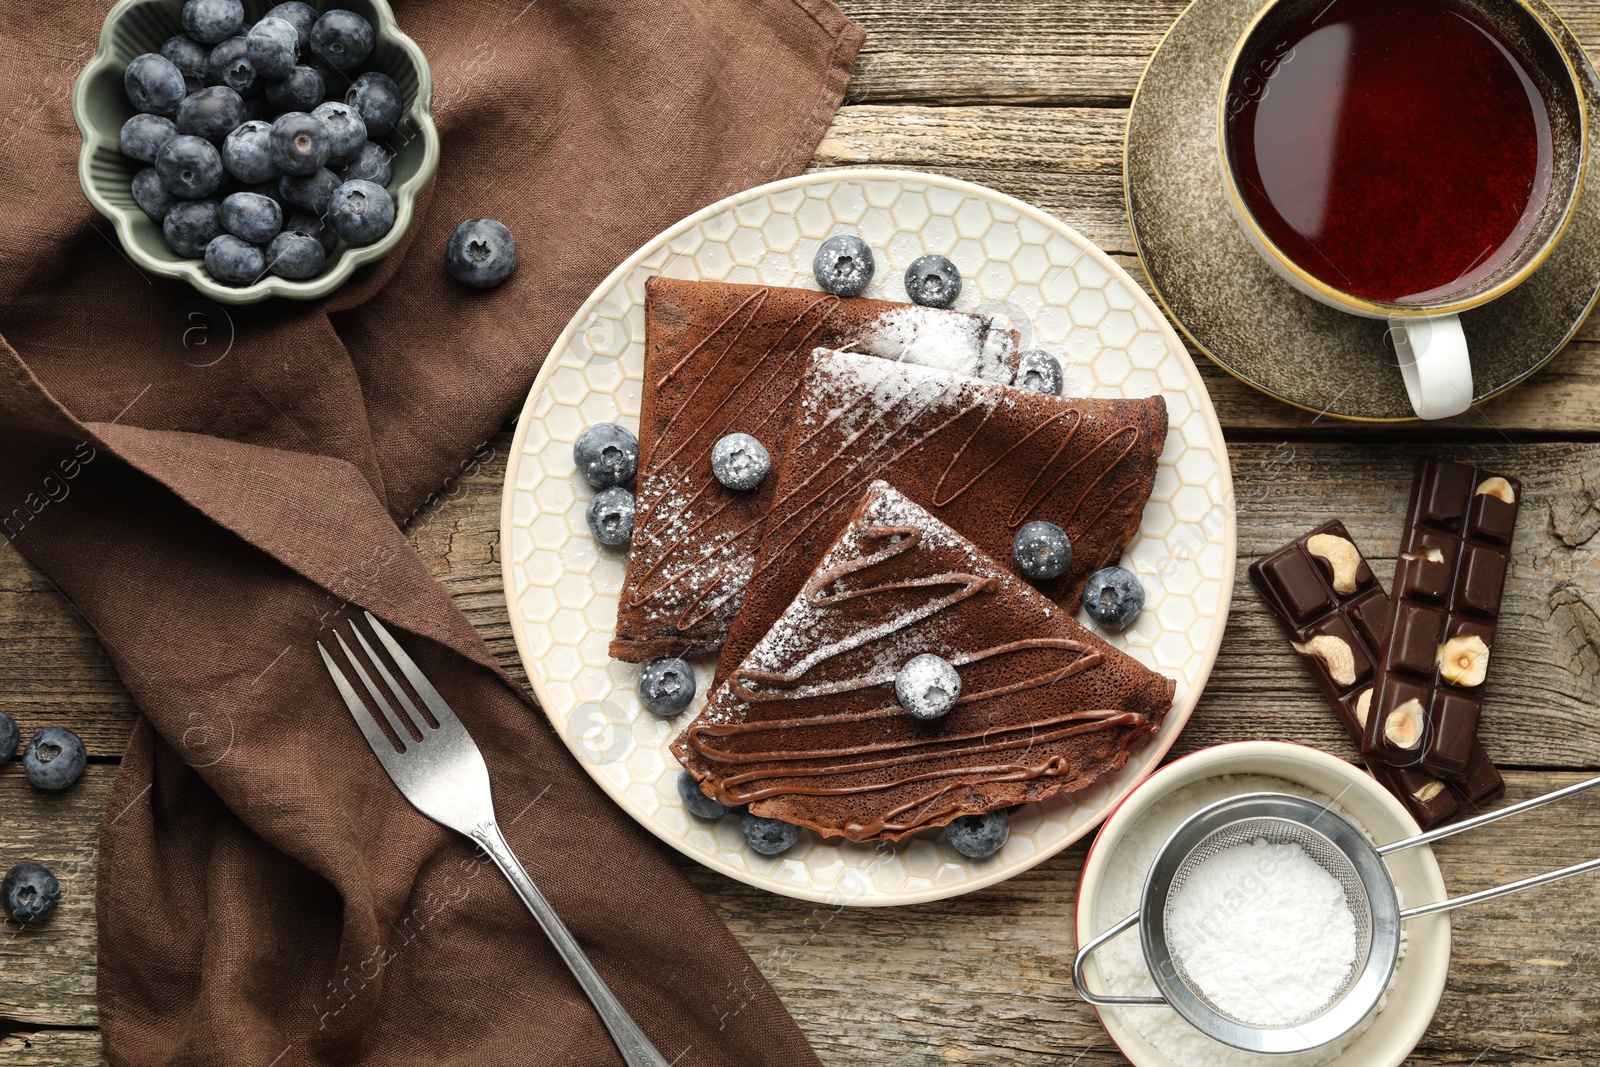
(1500, 890)
(1083, 957)
(1486, 819)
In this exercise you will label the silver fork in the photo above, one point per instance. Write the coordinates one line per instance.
(444, 777)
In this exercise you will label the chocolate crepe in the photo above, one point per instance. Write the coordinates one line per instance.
(723, 359)
(981, 457)
(807, 728)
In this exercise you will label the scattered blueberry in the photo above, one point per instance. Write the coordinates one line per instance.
(298, 143)
(151, 196)
(191, 57)
(312, 226)
(1113, 597)
(977, 836)
(666, 684)
(768, 836)
(843, 265)
(372, 164)
(377, 97)
(212, 113)
(1042, 550)
(190, 167)
(273, 45)
(1039, 372)
(252, 217)
(295, 255)
(247, 152)
(699, 805)
(607, 454)
(143, 135)
(927, 687)
(301, 16)
(347, 133)
(210, 21)
(610, 516)
(343, 38)
(234, 262)
(361, 212)
(480, 253)
(309, 191)
(10, 737)
(54, 758)
(231, 66)
(154, 84)
(29, 893)
(933, 281)
(190, 225)
(299, 90)
(739, 461)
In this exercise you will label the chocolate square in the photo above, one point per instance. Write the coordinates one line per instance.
(1482, 579)
(1415, 643)
(1445, 494)
(1370, 614)
(1491, 518)
(1294, 578)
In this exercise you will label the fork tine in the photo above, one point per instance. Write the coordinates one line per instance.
(400, 695)
(400, 732)
(408, 666)
(381, 745)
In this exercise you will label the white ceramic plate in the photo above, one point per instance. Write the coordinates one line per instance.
(1022, 267)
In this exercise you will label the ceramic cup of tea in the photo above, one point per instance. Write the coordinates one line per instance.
(1404, 160)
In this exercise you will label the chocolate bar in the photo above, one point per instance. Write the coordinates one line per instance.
(1449, 578)
(1321, 589)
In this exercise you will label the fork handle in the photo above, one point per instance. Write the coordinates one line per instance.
(636, 1049)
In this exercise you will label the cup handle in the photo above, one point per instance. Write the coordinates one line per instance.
(1432, 352)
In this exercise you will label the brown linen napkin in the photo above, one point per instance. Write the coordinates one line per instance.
(265, 895)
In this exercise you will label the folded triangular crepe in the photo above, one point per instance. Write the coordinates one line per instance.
(807, 728)
(982, 457)
(723, 359)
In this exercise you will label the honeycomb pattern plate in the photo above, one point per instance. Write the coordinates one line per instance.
(1020, 266)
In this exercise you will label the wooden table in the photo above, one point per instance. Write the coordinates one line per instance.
(1030, 98)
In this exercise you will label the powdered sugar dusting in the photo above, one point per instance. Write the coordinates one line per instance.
(930, 337)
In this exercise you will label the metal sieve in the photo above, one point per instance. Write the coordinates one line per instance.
(1341, 849)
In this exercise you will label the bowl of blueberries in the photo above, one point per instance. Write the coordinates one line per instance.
(255, 149)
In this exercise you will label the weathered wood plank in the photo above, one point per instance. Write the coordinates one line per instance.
(52, 1048)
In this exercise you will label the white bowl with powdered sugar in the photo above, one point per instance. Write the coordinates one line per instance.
(1114, 875)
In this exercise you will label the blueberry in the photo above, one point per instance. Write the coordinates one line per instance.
(143, 135)
(309, 191)
(371, 164)
(212, 113)
(299, 90)
(666, 683)
(698, 804)
(191, 57)
(230, 65)
(234, 262)
(54, 758)
(29, 893)
(298, 143)
(480, 253)
(1113, 598)
(843, 265)
(1039, 372)
(301, 16)
(739, 461)
(9, 738)
(377, 97)
(610, 516)
(252, 217)
(346, 131)
(361, 212)
(190, 226)
(190, 167)
(343, 38)
(295, 256)
(151, 196)
(273, 45)
(210, 21)
(247, 152)
(768, 836)
(977, 836)
(607, 454)
(312, 226)
(154, 84)
(337, 82)
(1042, 550)
(927, 687)
(933, 281)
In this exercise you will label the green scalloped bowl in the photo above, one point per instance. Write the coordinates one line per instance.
(100, 106)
